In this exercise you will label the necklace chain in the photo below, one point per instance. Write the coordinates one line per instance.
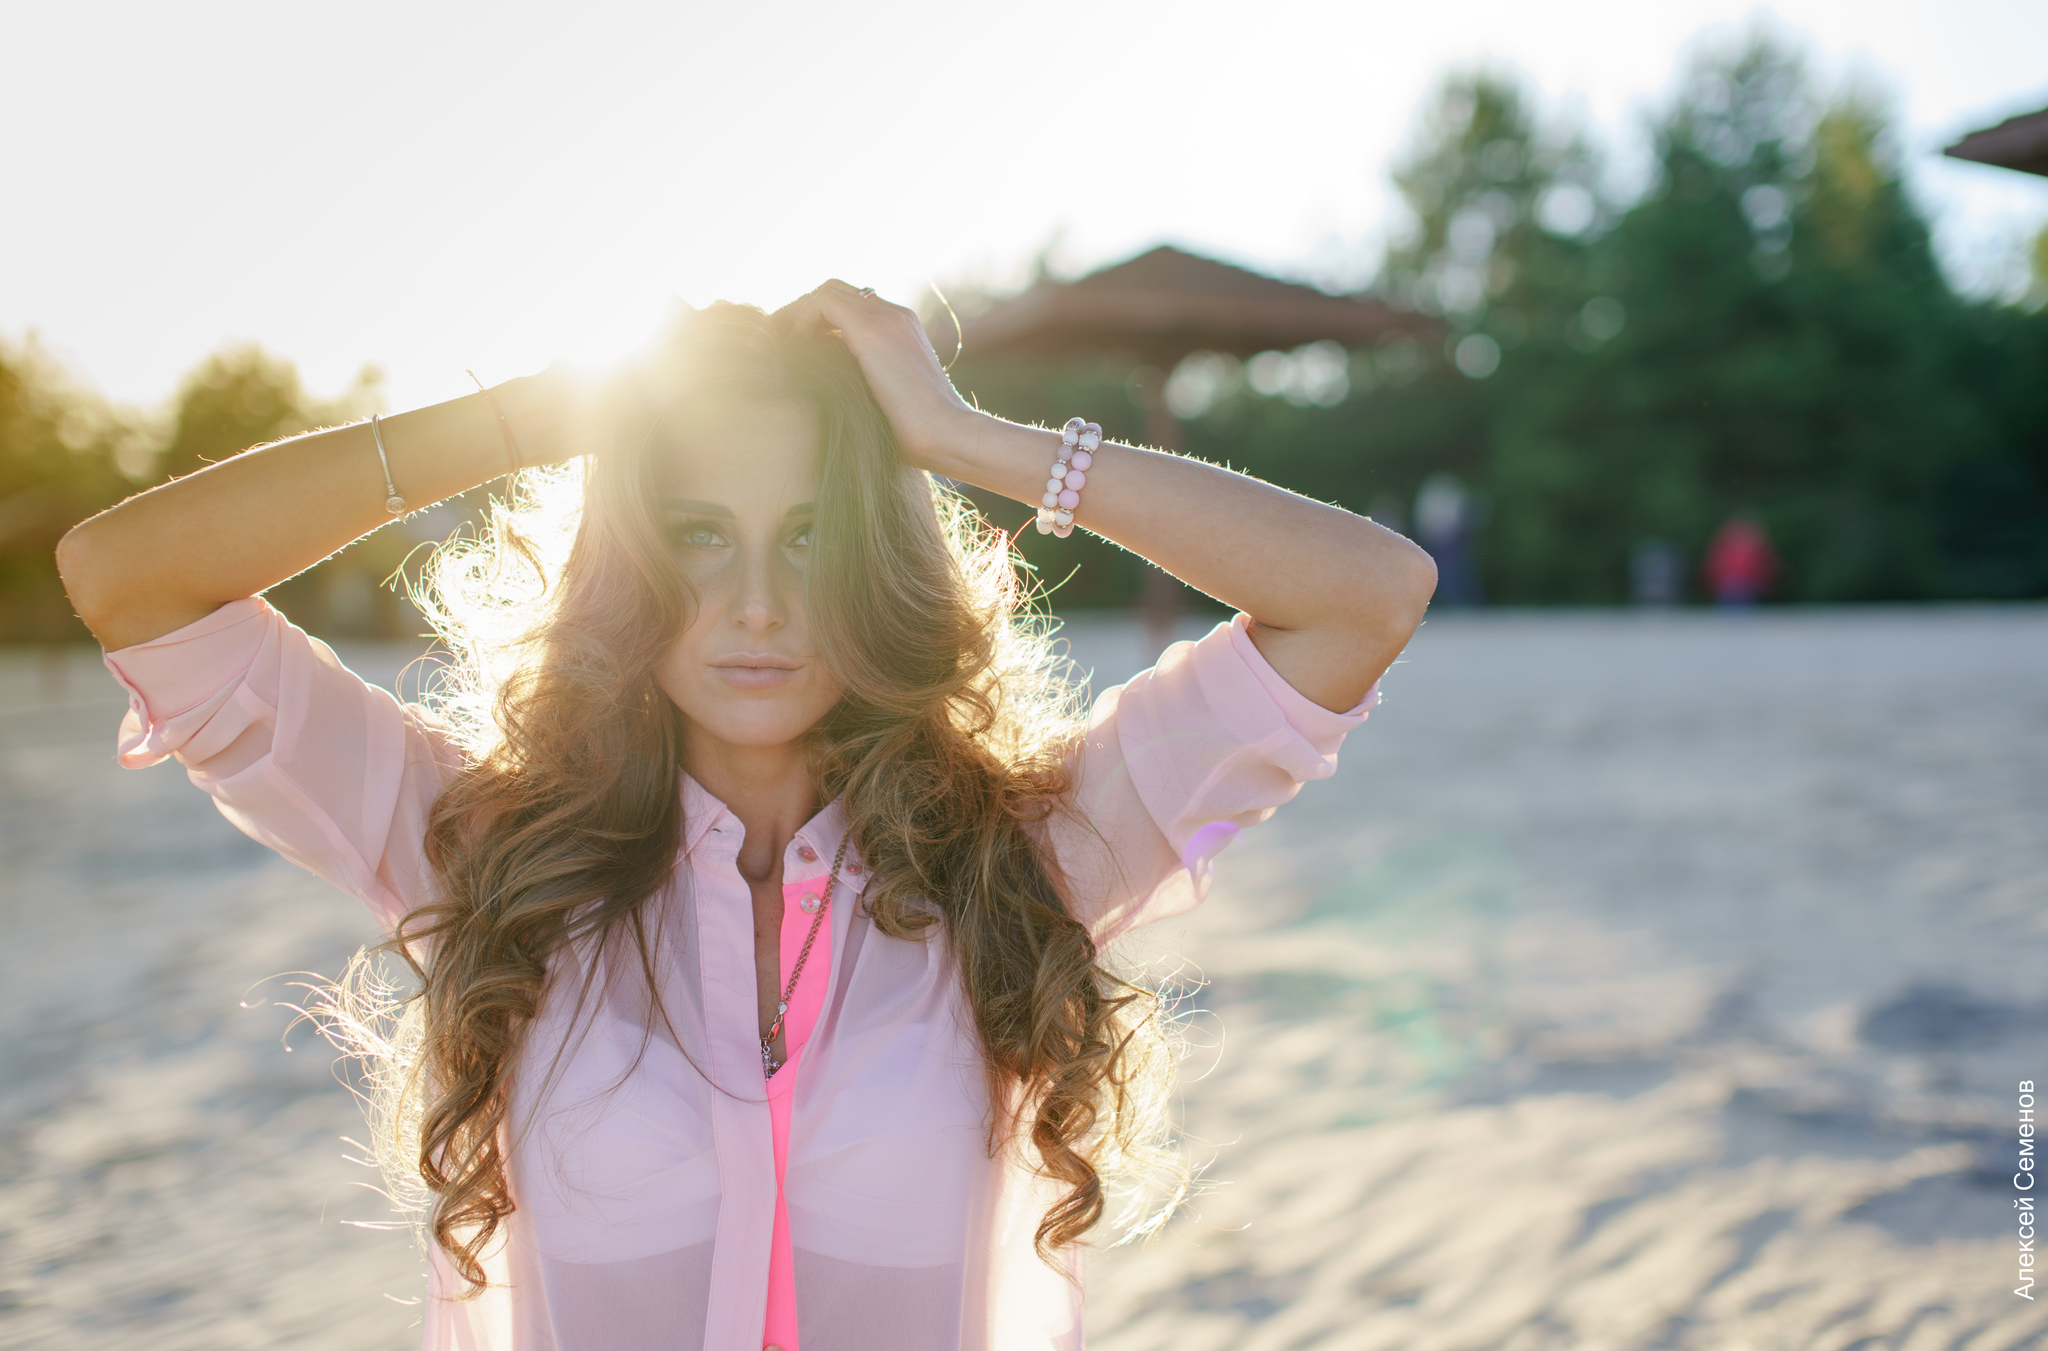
(768, 1061)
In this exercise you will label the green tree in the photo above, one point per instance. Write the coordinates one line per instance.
(1501, 214)
(1766, 329)
(1790, 348)
(65, 454)
(60, 448)
(239, 397)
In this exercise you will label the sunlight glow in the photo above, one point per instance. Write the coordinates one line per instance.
(457, 186)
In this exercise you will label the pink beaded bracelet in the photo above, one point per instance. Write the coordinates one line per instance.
(1078, 443)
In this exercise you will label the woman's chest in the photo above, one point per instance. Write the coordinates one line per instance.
(642, 1103)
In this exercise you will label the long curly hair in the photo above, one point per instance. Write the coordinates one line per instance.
(567, 817)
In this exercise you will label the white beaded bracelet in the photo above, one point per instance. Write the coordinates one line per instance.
(1069, 474)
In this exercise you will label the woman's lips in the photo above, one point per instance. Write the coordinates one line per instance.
(749, 671)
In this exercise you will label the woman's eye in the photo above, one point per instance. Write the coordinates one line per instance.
(697, 536)
(801, 539)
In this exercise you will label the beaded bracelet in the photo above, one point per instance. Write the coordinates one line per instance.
(1069, 474)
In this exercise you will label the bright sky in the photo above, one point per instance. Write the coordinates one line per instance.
(434, 186)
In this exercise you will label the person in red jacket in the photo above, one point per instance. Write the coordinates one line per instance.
(1740, 564)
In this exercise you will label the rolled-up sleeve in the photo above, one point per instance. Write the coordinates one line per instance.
(1174, 764)
(295, 749)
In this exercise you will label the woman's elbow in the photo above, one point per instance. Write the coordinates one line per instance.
(74, 559)
(1422, 584)
(1404, 581)
(82, 567)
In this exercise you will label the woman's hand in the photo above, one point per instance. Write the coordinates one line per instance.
(928, 414)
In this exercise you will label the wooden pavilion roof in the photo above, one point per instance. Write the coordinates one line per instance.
(2017, 143)
(1165, 303)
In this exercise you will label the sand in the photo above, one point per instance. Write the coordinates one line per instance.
(1639, 981)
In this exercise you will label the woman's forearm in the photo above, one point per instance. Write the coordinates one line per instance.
(176, 553)
(1333, 597)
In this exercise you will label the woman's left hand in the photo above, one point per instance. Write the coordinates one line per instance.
(887, 339)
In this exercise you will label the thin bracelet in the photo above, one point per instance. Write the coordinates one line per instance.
(393, 503)
(1069, 474)
(504, 426)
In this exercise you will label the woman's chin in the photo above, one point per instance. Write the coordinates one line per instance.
(765, 720)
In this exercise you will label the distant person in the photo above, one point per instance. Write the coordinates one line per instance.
(1740, 564)
(1655, 573)
(758, 887)
(1445, 520)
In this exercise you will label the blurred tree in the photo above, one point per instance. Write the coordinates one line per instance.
(60, 447)
(1791, 349)
(237, 398)
(1765, 330)
(1508, 220)
(65, 454)
(1500, 219)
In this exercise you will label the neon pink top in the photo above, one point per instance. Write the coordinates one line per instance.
(662, 1194)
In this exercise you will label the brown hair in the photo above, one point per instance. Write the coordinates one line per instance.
(567, 817)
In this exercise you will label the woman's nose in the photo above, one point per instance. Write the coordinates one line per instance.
(758, 603)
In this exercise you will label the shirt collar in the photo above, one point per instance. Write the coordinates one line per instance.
(703, 813)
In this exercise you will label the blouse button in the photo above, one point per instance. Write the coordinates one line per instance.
(806, 853)
(853, 868)
(809, 903)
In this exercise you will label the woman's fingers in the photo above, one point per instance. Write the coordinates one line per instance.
(829, 306)
(848, 308)
(894, 353)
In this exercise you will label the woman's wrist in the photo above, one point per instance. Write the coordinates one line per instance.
(1000, 456)
(540, 411)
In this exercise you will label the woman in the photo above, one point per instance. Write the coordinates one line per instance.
(759, 910)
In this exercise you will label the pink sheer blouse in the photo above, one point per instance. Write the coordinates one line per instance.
(663, 1189)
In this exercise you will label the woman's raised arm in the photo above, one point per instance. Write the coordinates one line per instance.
(1333, 598)
(180, 551)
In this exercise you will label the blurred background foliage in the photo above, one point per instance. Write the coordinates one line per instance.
(1763, 331)
(66, 453)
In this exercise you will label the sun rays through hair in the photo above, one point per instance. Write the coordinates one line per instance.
(567, 817)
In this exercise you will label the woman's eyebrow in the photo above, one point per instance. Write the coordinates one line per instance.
(695, 507)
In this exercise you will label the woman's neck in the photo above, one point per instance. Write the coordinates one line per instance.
(769, 788)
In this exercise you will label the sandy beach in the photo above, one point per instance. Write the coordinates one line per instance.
(1640, 980)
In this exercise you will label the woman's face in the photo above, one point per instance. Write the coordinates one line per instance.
(738, 492)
